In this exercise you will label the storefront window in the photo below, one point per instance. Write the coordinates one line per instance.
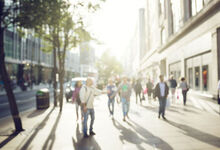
(197, 77)
(190, 74)
(8, 44)
(205, 77)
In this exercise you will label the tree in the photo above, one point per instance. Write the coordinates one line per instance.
(66, 32)
(108, 66)
(6, 19)
(19, 13)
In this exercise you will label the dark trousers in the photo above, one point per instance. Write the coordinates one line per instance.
(184, 92)
(162, 103)
(138, 94)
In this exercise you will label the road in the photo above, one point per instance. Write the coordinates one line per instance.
(25, 100)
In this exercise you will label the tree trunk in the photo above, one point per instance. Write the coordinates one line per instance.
(61, 80)
(6, 80)
(54, 76)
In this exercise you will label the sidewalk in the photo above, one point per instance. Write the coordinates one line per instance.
(188, 128)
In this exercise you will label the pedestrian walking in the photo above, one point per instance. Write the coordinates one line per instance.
(125, 93)
(173, 85)
(138, 88)
(185, 88)
(87, 95)
(149, 87)
(161, 92)
(76, 99)
(111, 89)
(117, 83)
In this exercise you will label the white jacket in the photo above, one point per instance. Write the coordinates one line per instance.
(87, 95)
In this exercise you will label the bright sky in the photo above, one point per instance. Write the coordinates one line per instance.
(114, 24)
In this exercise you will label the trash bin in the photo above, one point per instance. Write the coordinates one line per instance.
(42, 98)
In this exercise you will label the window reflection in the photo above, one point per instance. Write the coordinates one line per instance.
(197, 76)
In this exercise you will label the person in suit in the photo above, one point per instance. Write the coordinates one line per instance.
(161, 92)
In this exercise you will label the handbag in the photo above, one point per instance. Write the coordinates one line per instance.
(145, 91)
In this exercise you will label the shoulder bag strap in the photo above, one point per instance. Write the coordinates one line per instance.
(89, 96)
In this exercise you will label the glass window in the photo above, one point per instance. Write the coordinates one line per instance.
(176, 12)
(161, 6)
(196, 6)
(197, 77)
(199, 4)
(190, 74)
(163, 38)
(193, 7)
(205, 77)
(206, 2)
(8, 44)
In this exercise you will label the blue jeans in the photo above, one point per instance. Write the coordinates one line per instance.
(111, 102)
(125, 106)
(90, 112)
(162, 103)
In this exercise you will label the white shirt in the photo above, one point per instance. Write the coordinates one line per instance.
(87, 95)
(162, 89)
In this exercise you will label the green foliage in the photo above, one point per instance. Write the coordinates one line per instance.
(108, 66)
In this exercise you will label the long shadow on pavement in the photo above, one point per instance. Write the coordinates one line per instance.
(40, 126)
(36, 113)
(52, 136)
(195, 133)
(8, 139)
(150, 138)
(128, 135)
(82, 143)
(155, 109)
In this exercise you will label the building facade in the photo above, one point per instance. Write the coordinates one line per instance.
(26, 60)
(182, 39)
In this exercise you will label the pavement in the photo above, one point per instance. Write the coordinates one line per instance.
(195, 126)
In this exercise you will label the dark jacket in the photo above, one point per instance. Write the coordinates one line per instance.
(157, 90)
(138, 87)
(149, 86)
(173, 83)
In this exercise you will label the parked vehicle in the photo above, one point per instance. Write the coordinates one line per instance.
(70, 87)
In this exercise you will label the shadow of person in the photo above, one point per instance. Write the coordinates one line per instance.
(128, 135)
(174, 111)
(82, 143)
(52, 136)
(197, 134)
(153, 109)
(150, 138)
(40, 126)
(36, 113)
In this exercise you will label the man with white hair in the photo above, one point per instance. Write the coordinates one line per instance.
(87, 95)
